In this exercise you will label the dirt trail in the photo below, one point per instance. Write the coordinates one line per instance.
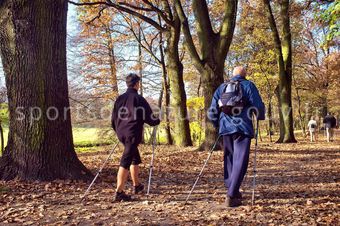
(296, 184)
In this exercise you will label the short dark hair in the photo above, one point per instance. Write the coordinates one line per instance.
(132, 79)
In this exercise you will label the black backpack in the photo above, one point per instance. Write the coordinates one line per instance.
(313, 126)
(231, 101)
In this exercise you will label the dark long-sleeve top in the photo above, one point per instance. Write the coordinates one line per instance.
(330, 121)
(130, 112)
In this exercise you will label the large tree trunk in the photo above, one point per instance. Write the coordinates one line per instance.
(211, 80)
(214, 47)
(166, 92)
(285, 84)
(167, 112)
(166, 88)
(285, 110)
(182, 135)
(33, 51)
(284, 59)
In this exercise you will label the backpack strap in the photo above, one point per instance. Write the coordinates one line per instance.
(236, 81)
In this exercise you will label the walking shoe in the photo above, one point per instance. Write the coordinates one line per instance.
(239, 195)
(139, 188)
(121, 196)
(233, 202)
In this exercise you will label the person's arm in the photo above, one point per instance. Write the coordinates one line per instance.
(113, 124)
(333, 122)
(149, 117)
(214, 111)
(256, 102)
(113, 119)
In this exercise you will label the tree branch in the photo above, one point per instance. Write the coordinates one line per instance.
(135, 7)
(275, 32)
(167, 8)
(227, 28)
(98, 15)
(189, 43)
(123, 9)
(204, 27)
(159, 12)
(139, 40)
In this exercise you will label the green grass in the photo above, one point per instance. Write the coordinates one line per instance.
(83, 138)
(5, 129)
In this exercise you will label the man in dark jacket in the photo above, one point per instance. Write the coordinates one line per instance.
(129, 114)
(237, 132)
(330, 124)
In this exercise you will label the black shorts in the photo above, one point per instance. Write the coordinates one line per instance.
(130, 155)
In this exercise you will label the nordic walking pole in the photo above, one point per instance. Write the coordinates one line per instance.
(100, 170)
(200, 174)
(152, 158)
(254, 167)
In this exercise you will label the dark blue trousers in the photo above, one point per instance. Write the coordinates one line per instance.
(236, 157)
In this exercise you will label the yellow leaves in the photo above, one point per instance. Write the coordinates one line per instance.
(196, 103)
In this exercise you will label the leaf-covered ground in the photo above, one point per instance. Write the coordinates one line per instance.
(297, 184)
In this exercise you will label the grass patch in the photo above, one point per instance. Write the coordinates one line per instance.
(84, 137)
(88, 149)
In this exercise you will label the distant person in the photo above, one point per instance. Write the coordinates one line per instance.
(236, 127)
(312, 125)
(129, 114)
(330, 123)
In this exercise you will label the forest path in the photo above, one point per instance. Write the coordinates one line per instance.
(296, 184)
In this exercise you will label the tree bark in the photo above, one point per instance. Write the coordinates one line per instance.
(113, 64)
(214, 48)
(33, 51)
(283, 49)
(166, 91)
(211, 80)
(182, 135)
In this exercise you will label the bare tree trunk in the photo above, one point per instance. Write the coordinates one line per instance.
(211, 81)
(166, 109)
(182, 135)
(214, 47)
(33, 51)
(284, 59)
(166, 90)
